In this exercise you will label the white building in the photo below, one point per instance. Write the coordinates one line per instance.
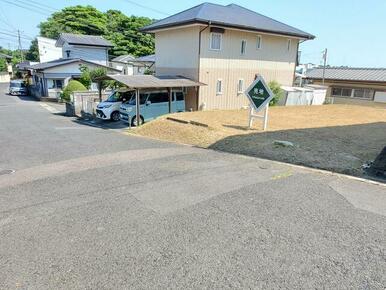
(71, 51)
(48, 50)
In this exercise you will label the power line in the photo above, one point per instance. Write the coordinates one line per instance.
(6, 21)
(44, 5)
(30, 4)
(147, 7)
(24, 7)
(14, 35)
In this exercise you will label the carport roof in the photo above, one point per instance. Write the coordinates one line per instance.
(149, 81)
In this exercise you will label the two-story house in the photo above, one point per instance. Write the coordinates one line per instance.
(225, 47)
(72, 51)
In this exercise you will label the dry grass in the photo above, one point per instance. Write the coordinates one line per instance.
(335, 137)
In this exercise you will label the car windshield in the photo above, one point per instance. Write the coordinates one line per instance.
(17, 85)
(114, 97)
(142, 101)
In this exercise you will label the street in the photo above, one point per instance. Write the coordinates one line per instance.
(89, 208)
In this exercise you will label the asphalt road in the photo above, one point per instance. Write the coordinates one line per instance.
(88, 208)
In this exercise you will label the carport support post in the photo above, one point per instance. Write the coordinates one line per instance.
(100, 90)
(170, 99)
(137, 110)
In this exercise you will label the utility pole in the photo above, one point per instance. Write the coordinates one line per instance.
(324, 63)
(20, 47)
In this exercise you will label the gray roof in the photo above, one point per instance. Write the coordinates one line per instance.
(231, 15)
(146, 58)
(2, 55)
(349, 74)
(79, 39)
(64, 61)
(123, 58)
(149, 81)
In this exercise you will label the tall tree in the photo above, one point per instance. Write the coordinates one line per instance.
(33, 52)
(75, 19)
(123, 31)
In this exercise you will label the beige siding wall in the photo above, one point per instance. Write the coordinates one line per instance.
(273, 61)
(177, 52)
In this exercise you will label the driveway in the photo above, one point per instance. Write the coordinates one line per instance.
(88, 208)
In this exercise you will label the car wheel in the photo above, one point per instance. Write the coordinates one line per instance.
(134, 121)
(115, 116)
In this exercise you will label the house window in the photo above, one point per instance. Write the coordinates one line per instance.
(215, 41)
(243, 46)
(288, 44)
(219, 87)
(259, 42)
(363, 94)
(54, 84)
(341, 92)
(240, 86)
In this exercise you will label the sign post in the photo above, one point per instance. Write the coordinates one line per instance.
(259, 95)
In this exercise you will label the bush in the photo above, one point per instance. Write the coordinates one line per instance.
(73, 86)
(277, 91)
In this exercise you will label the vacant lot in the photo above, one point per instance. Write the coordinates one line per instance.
(334, 137)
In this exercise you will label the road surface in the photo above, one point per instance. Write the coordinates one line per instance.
(88, 208)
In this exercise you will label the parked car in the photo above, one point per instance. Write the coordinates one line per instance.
(18, 87)
(109, 109)
(152, 105)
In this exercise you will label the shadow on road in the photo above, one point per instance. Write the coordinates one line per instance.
(102, 124)
(25, 98)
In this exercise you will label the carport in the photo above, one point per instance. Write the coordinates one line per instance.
(143, 82)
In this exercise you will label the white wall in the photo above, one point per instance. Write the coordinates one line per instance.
(380, 97)
(94, 54)
(48, 50)
(4, 78)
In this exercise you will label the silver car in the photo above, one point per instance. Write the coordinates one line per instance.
(18, 87)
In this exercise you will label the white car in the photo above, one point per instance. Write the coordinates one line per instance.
(109, 109)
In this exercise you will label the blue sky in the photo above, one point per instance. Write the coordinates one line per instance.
(352, 30)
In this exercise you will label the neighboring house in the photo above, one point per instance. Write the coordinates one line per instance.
(51, 77)
(225, 47)
(88, 47)
(130, 65)
(75, 50)
(145, 63)
(300, 73)
(48, 50)
(352, 85)
(124, 64)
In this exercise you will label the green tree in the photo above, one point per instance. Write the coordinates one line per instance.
(85, 77)
(277, 91)
(75, 19)
(121, 30)
(33, 52)
(3, 65)
(73, 86)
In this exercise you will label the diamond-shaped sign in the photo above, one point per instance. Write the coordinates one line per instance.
(259, 94)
